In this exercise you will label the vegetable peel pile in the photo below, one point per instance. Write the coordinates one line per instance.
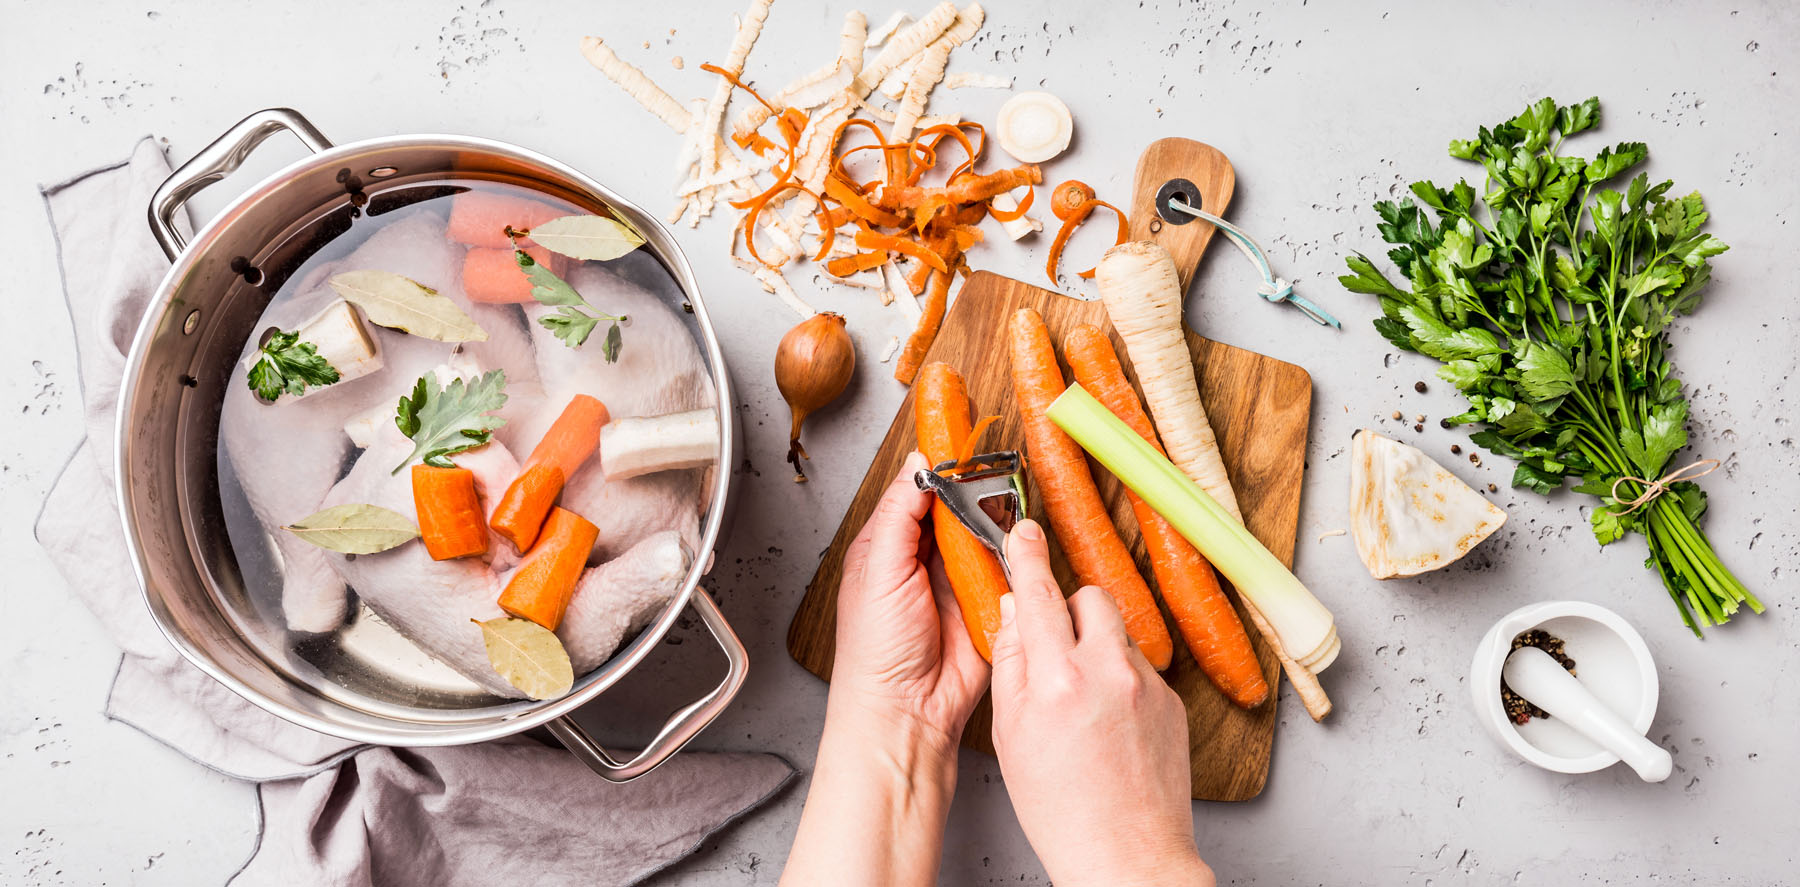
(1548, 298)
(781, 164)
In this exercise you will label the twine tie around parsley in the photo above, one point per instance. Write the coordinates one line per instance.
(1655, 488)
(1272, 288)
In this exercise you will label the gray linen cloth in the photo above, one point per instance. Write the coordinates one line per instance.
(334, 812)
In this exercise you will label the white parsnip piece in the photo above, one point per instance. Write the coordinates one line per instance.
(636, 84)
(903, 46)
(1143, 299)
(972, 80)
(339, 335)
(817, 87)
(930, 70)
(900, 292)
(749, 28)
(1021, 226)
(894, 84)
(647, 444)
(890, 349)
(894, 23)
(773, 281)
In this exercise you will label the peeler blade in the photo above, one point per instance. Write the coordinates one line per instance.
(986, 494)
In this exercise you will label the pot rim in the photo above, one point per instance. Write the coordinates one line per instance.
(520, 716)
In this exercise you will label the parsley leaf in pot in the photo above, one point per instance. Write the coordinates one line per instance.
(286, 365)
(1548, 299)
(445, 420)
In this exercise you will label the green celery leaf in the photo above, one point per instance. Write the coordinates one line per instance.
(451, 419)
(1608, 528)
(1539, 480)
(1545, 372)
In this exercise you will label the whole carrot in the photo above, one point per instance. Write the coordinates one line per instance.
(450, 517)
(572, 438)
(941, 418)
(541, 587)
(480, 218)
(1189, 587)
(1079, 517)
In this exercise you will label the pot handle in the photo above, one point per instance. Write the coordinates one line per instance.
(683, 725)
(218, 160)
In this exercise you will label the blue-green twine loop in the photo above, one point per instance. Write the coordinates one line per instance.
(1272, 288)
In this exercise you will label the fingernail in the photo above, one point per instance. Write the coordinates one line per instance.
(1006, 609)
(1029, 531)
(915, 460)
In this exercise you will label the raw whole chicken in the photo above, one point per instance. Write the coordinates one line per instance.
(286, 455)
(299, 455)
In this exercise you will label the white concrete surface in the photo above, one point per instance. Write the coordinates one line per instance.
(1323, 107)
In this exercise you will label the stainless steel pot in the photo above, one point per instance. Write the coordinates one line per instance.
(190, 338)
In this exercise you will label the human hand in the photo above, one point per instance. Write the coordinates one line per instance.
(903, 654)
(1092, 743)
(903, 684)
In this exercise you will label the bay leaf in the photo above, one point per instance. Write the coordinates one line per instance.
(404, 304)
(587, 237)
(355, 529)
(528, 655)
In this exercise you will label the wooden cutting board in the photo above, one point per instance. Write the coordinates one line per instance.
(1259, 409)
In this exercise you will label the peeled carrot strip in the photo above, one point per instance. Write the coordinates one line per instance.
(931, 319)
(844, 266)
(545, 580)
(480, 218)
(941, 420)
(521, 512)
(967, 453)
(843, 192)
(971, 189)
(493, 276)
(1077, 514)
(450, 519)
(877, 240)
(1190, 588)
(1001, 215)
(572, 438)
(1073, 220)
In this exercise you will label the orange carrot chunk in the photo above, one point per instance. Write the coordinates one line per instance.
(480, 218)
(1189, 587)
(1077, 514)
(450, 518)
(493, 276)
(527, 503)
(541, 587)
(941, 419)
(569, 442)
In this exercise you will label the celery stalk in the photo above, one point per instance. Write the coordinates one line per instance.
(1303, 626)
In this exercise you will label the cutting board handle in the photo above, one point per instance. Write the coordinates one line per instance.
(1193, 169)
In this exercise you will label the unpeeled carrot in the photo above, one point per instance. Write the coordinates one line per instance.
(569, 442)
(1077, 514)
(520, 513)
(541, 587)
(480, 218)
(450, 518)
(492, 275)
(941, 420)
(1190, 588)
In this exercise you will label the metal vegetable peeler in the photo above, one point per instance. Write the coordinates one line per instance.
(986, 494)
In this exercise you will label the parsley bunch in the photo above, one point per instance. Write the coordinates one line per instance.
(1548, 299)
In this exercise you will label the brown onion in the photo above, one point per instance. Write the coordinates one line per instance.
(813, 365)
